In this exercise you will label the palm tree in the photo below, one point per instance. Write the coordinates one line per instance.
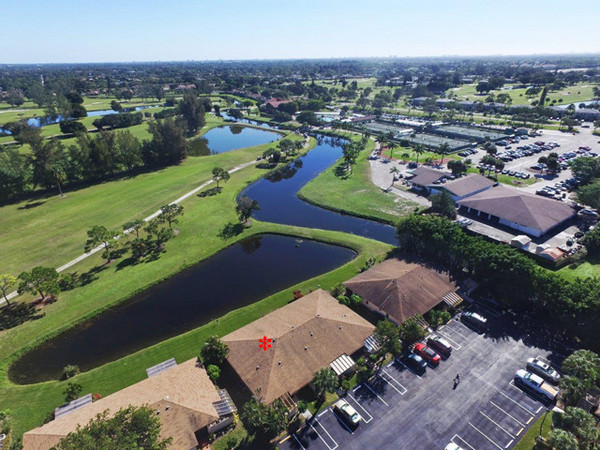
(325, 380)
(419, 150)
(392, 145)
(442, 150)
(394, 170)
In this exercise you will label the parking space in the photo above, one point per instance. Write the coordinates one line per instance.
(402, 410)
(501, 421)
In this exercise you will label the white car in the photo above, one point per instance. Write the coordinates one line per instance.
(347, 412)
(536, 384)
(542, 369)
(453, 446)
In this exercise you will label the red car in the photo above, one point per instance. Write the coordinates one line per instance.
(427, 354)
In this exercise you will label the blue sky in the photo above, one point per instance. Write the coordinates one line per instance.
(49, 31)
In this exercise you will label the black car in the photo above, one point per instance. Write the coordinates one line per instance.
(416, 363)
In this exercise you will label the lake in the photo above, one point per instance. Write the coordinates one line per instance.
(230, 137)
(239, 275)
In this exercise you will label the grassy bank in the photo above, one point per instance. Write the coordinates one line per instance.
(43, 397)
(528, 440)
(199, 238)
(51, 230)
(355, 194)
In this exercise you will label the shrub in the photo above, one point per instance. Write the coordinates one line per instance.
(343, 300)
(72, 391)
(338, 290)
(213, 372)
(70, 371)
(346, 385)
(302, 405)
(298, 294)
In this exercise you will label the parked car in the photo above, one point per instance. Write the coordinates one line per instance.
(535, 384)
(440, 344)
(427, 354)
(347, 413)
(453, 446)
(474, 320)
(542, 369)
(416, 363)
(589, 212)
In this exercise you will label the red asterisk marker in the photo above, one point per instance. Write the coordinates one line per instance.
(264, 343)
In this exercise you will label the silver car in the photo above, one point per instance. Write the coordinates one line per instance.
(542, 369)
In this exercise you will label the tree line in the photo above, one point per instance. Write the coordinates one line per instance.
(93, 158)
(574, 306)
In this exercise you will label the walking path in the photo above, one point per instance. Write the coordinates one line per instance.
(150, 217)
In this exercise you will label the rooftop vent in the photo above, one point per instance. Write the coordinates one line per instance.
(258, 367)
(312, 334)
(340, 327)
(305, 348)
(279, 363)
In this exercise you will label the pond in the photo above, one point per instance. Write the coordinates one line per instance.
(237, 276)
(51, 120)
(277, 196)
(230, 137)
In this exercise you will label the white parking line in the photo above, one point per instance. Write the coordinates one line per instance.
(519, 405)
(520, 390)
(495, 423)
(369, 388)
(362, 407)
(457, 346)
(322, 412)
(485, 436)
(298, 441)
(461, 440)
(404, 390)
(509, 415)
(458, 332)
(319, 434)
(508, 445)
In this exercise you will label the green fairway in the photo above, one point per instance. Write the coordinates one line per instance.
(571, 94)
(198, 238)
(52, 230)
(356, 194)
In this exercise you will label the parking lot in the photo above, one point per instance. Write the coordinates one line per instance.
(405, 411)
(568, 143)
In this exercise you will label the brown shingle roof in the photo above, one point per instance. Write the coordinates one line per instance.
(516, 206)
(425, 176)
(467, 185)
(401, 289)
(307, 335)
(185, 389)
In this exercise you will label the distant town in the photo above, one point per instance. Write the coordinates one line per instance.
(393, 253)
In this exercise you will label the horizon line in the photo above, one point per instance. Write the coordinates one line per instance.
(391, 57)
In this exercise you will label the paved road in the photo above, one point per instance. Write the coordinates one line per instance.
(401, 410)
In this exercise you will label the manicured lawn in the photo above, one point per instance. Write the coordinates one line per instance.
(197, 239)
(590, 268)
(52, 230)
(408, 154)
(103, 102)
(528, 440)
(571, 94)
(508, 180)
(356, 194)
